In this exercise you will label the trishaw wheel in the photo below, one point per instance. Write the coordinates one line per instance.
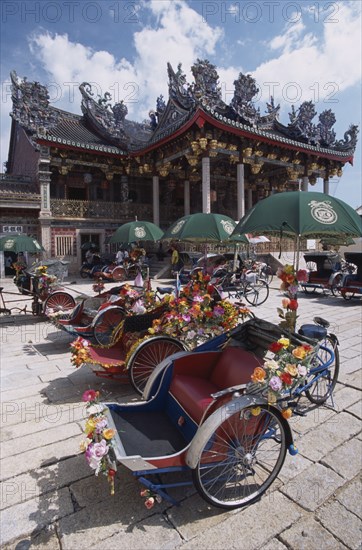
(337, 285)
(119, 274)
(147, 356)
(256, 293)
(105, 323)
(241, 458)
(309, 289)
(266, 274)
(326, 380)
(58, 301)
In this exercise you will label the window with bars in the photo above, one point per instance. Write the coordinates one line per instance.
(64, 246)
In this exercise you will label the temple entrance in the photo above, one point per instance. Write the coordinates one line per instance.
(93, 238)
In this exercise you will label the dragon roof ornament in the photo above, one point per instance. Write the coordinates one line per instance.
(108, 120)
(31, 107)
(245, 89)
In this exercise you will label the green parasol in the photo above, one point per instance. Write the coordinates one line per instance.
(20, 243)
(301, 214)
(137, 231)
(201, 227)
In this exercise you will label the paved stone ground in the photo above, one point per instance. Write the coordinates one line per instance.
(50, 499)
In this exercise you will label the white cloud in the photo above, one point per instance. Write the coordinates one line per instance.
(179, 36)
(317, 64)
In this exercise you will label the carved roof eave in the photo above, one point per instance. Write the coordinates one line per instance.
(52, 141)
(167, 126)
(207, 114)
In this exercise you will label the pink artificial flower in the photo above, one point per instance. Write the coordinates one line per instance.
(275, 383)
(302, 276)
(218, 311)
(302, 370)
(285, 303)
(90, 395)
(292, 290)
(95, 452)
(149, 503)
(101, 425)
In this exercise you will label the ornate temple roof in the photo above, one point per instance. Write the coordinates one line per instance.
(12, 188)
(105, 128)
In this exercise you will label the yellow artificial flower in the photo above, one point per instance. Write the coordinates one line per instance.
(90, 425)
(84, 444)
(285, 342)
(108, 433)
(292, 369)
(271, 398)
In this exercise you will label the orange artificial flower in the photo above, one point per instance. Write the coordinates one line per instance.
(299, 352)
(258, 375)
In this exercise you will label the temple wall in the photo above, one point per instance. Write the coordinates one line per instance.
(25, 158)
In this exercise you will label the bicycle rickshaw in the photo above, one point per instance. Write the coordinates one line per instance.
(324, 272)
(42, 282)
(134, 348)
(96, 317)
(202, 414)
(351, 284)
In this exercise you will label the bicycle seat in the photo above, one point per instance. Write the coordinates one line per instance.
(316, 332)
(165, 290)
(322, 322)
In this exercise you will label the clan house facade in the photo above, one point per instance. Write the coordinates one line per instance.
(72, 178)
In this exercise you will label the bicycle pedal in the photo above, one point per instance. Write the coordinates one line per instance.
(300, 412)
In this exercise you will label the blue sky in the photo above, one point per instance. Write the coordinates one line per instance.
(296, 50)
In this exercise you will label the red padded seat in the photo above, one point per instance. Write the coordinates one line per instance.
(193, 394)
(233, 367)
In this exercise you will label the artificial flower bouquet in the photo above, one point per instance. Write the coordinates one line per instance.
(285, 367)
(195, 318)
(98, 444)
(79, 350)
(98, 286)
(290, 280)
(45, 282)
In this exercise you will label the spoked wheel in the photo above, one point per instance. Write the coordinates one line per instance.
(147, 356)
(256, 293)
(105, 323)
(348, 294)
(337, 284)
(242, 457)
(309, 289)
(325, 379)
(119, 274)
(84, 273)
(266, 274)
(59, 301)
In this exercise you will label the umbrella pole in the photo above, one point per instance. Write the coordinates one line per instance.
(235, 257)
(298, 249)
